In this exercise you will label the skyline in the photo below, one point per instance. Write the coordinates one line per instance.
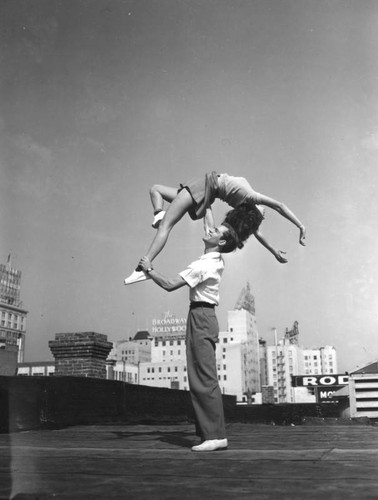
(101, 99)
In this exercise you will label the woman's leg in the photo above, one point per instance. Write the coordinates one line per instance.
(180, 204)
(159, 194)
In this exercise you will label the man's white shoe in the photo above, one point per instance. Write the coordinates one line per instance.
(211, 445)
(157, 219)
(135, 277)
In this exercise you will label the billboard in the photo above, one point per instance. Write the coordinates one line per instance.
(169, 326)
(324, 386)
(319, 380)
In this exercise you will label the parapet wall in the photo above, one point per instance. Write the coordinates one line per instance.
(56, 402)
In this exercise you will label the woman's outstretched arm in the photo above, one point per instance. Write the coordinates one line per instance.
(283, 210)
(208, 221)
(279, 254)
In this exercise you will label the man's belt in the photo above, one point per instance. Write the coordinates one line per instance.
(194, 305)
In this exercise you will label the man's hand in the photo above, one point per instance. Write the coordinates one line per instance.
(280, 256)
(302, 235)
(144, 264)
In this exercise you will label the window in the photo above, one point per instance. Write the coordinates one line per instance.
(225, 340)
(224, 377)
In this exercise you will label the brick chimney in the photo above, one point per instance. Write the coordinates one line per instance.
(81, 354)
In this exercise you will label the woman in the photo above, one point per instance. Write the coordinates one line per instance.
(196, 198)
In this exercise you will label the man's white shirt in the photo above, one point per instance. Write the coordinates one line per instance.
(203, 277)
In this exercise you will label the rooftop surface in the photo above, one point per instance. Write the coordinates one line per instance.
(155, 462)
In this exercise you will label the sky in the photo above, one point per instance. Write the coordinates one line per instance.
(101, 99)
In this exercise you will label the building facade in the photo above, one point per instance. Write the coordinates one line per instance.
(320, 361)
(36, 369)
(12, 313)
(133, 351)
(286, 359)
(283, 361)
(167, 366)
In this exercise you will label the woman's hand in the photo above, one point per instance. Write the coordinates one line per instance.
(279, 254)
(302, 235)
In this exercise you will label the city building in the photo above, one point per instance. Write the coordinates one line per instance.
(286, 359)
(133, 351)
(124, 372)
(167, 366)
(12, 317)
(320, 361)
(36, 369)
(237, 354)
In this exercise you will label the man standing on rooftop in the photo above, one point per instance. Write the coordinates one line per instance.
(203, 276)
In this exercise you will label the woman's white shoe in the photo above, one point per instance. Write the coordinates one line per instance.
(135, 277)
(157, 219)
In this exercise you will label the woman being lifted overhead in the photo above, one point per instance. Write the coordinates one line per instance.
(196, 196)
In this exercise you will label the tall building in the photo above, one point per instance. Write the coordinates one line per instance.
(320, 361)
(12, 313)
(287, 358)
(238, 355)
(243, 327)
(283, 360)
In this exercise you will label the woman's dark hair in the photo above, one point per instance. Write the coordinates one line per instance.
(244, 220)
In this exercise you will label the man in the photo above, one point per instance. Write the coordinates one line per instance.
(203, 277)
